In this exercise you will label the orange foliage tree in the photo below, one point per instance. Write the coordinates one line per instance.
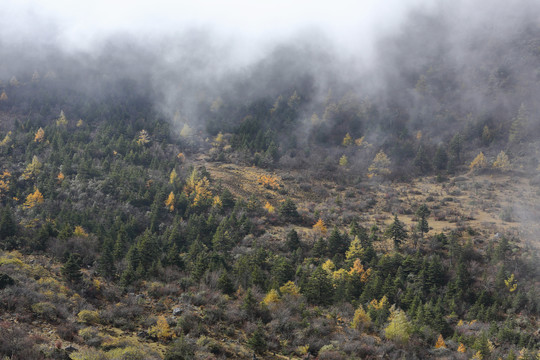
(320, 226)
(33, 199)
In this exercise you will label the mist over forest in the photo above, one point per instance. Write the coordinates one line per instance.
(454, 68)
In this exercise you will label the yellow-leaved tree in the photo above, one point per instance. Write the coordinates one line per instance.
(40, 135)
(268, 207)
(355, 251)
(33, 199)
(7, 139)
(271, 298)
(479, 162)
(399, 329)
(191, 182)
(358, 269)
(202, 191)
(162, 331)
(62, 120)
(347, 140)
(440, 343)
(79, 231)
(32, 169)
(380, 165)
(169, 203)
(329, 266)
(143, 138)
(173, 176)
(289, 288)
(186, 131)
(343, 160)
(361, 320)
(461, 348)
(320, 227)
(511, 283)
(3, 96)
(502, 162)
(4, 182)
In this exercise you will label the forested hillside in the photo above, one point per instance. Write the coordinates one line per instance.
(301, 206)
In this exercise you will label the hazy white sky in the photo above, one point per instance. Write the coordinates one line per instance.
(78, 23)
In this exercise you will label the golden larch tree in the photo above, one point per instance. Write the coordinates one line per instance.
(79, 231)
(479, 162)
(162, 331)
(355, 251)
(202, 191)
(33, 199)
(380, 165)
(169, 203)
(186, 131)
(343, 161)
(3, 96)
(358, 269)
(290, 288)
(268, 207)
(173, 176)
(32, 169)
(4, 182)
(440, 343)
(271, 298)
(502, 162)
(347, 140)
(399, 329)
(144, 138)
(361, 319)
(62, 120)
(40, 135)
(320, 227)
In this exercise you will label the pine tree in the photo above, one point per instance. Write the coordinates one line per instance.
(396, 231)
(8, 226)
(72, 270)
(257, 341)
(421, 160)
(288, 211)
(337, 243)
(318, 289)
(422, 213)
(225, 284)
(106, 261)
(293, 241)
(440, 160)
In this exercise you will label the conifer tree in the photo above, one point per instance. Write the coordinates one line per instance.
(72, 270)
(288, 211)
(396, 231)
(106, 261)
(293, 241)
(319, 289)
(337, 242)
(8, 226)
(422, 225)
(399, 329)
